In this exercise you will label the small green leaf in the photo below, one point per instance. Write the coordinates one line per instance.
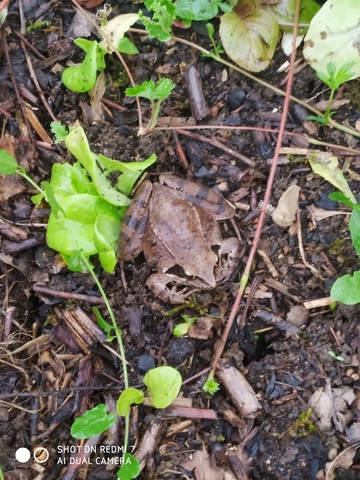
(163, 16)
(108, 329)
(211, 386)
(93, 422)
(51, 199)
(127, 398)
(59, 130)
(181, 330)
(81, 78)
(334, 77)
(8, 165)
(163, 385)
(200, 10)
(148, 89)
(127, 47)
(346, 289)
(354, 226)
(130, 468)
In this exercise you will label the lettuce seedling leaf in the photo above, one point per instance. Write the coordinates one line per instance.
(163, 385)
(249, 41)
(81, 78)
(354, 226)
(93, 422)
(333, 36)
(100, 52)
(51, 199)
(8, 164)
(100, 168)
(127, 398)
(130, 468)
(106, 234)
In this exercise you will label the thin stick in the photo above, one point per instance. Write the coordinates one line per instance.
(246, 274)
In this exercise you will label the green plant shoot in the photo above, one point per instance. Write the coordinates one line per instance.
(156, 93)
(211, 386)
(183, 328)
(333, 78)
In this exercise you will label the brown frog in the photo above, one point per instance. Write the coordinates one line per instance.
(175, 224)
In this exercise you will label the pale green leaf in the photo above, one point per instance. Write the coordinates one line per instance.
(334, 36)
(115, 29)
(250, 42)
(163, 385)
(130, 468)
(327, 166)
(346, 289)
(93, 422)
(127, 398)
(8, 165)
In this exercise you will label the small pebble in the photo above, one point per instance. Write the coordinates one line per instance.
(145, 363)
(298, 316)
(236, 98)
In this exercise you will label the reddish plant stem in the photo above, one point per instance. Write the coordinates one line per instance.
(246, 274)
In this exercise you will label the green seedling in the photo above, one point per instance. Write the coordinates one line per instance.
(37, 26)
(303, 426)
(156, 93)
(82, 78)
(333, 355)
(166, 12)
(333, 78)
(163, 386)
(211, 386)
(217, 47)
(183, 328)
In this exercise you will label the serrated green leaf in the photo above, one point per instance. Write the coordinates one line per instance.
(161, 23)
(211, 386)
(130, 468)
(93, 422)
(127, 398)
(59, 130)
(8, 165)
(163, 385)
(152, 91)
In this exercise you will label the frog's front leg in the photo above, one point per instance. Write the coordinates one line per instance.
(176, 294)
(229, 259)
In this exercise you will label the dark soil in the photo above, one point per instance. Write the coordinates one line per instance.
(48, 377)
